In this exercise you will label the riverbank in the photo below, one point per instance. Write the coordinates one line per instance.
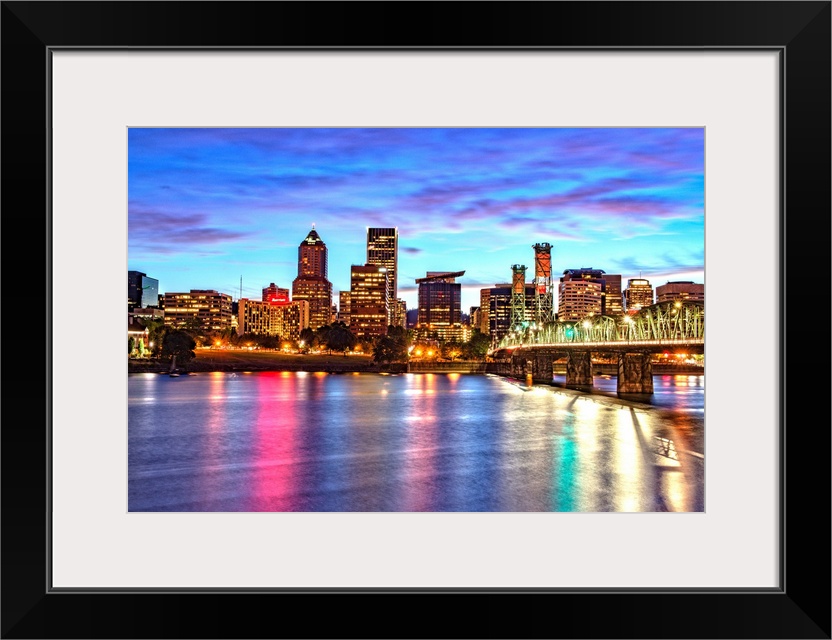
(238, 361)
(242, 360)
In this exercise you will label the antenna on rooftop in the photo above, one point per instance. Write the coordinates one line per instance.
(241, 288)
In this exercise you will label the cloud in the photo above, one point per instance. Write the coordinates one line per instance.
(410, 250)
(665, 264)
(169, 232)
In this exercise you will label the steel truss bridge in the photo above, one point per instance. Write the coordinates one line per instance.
(531, 350)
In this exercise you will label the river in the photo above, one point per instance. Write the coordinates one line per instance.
(298, 441)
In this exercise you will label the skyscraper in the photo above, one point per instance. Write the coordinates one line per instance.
(498, 317)
(383, 251)
(344, 308)
(440, 305)
(141, 291)
(639, 293)
(369, 306)
(312, 283)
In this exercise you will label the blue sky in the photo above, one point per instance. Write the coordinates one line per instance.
(207, 206)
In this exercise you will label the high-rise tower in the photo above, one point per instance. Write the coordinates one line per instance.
(312, 284)
(383, 251)
(638, 294)
(440, 305)
(544, 297)
(369, 306)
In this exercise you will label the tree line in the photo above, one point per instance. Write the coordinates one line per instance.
(398, 345)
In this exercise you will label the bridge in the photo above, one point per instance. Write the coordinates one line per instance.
(531, 351)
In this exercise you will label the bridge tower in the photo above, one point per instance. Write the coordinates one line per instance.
(518, 296)
(544, 306)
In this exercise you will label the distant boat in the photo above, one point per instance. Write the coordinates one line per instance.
(174, 373)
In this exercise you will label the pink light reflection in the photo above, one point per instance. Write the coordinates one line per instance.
(275, 442)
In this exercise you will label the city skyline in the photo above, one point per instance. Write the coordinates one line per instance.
(209, 206)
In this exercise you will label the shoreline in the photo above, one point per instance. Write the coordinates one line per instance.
(365, 366)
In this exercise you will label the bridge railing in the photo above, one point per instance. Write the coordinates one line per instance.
(653, 325)
(609, 344)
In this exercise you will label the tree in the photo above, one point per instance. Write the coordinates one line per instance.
(478, 345)
(392, 347)
(321, 338)
(451, 349)
(156, 334)
(180, 344)
(400, 334)
(386, 349)
(131, 344)
(307, 336)
(340, 338)
(193, 325)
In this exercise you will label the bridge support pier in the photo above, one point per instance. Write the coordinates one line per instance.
(543, 368)
(518, 367)
(635, 373)
(579, 370)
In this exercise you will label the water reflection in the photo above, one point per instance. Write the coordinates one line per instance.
(286, 441)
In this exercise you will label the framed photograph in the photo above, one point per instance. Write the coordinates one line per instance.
(193, 143)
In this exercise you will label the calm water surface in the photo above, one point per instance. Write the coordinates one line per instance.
(295, 441)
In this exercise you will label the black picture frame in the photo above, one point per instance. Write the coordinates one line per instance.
(799, 608)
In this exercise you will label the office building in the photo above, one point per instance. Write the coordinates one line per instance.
(638, 294)
(383, 251)
(485, 307)
(686, 290)
(499, 315)
(204, 309)
(275, 295)
(311, 283)
(141, 291)
(264, 318)
(440, 305)
(475, 318)
(369, 306)
(344, 307)
(577, 301)
(401, 313)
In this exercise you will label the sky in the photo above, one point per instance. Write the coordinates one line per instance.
(209, 206)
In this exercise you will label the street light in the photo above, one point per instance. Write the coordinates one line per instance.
(629, 322)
